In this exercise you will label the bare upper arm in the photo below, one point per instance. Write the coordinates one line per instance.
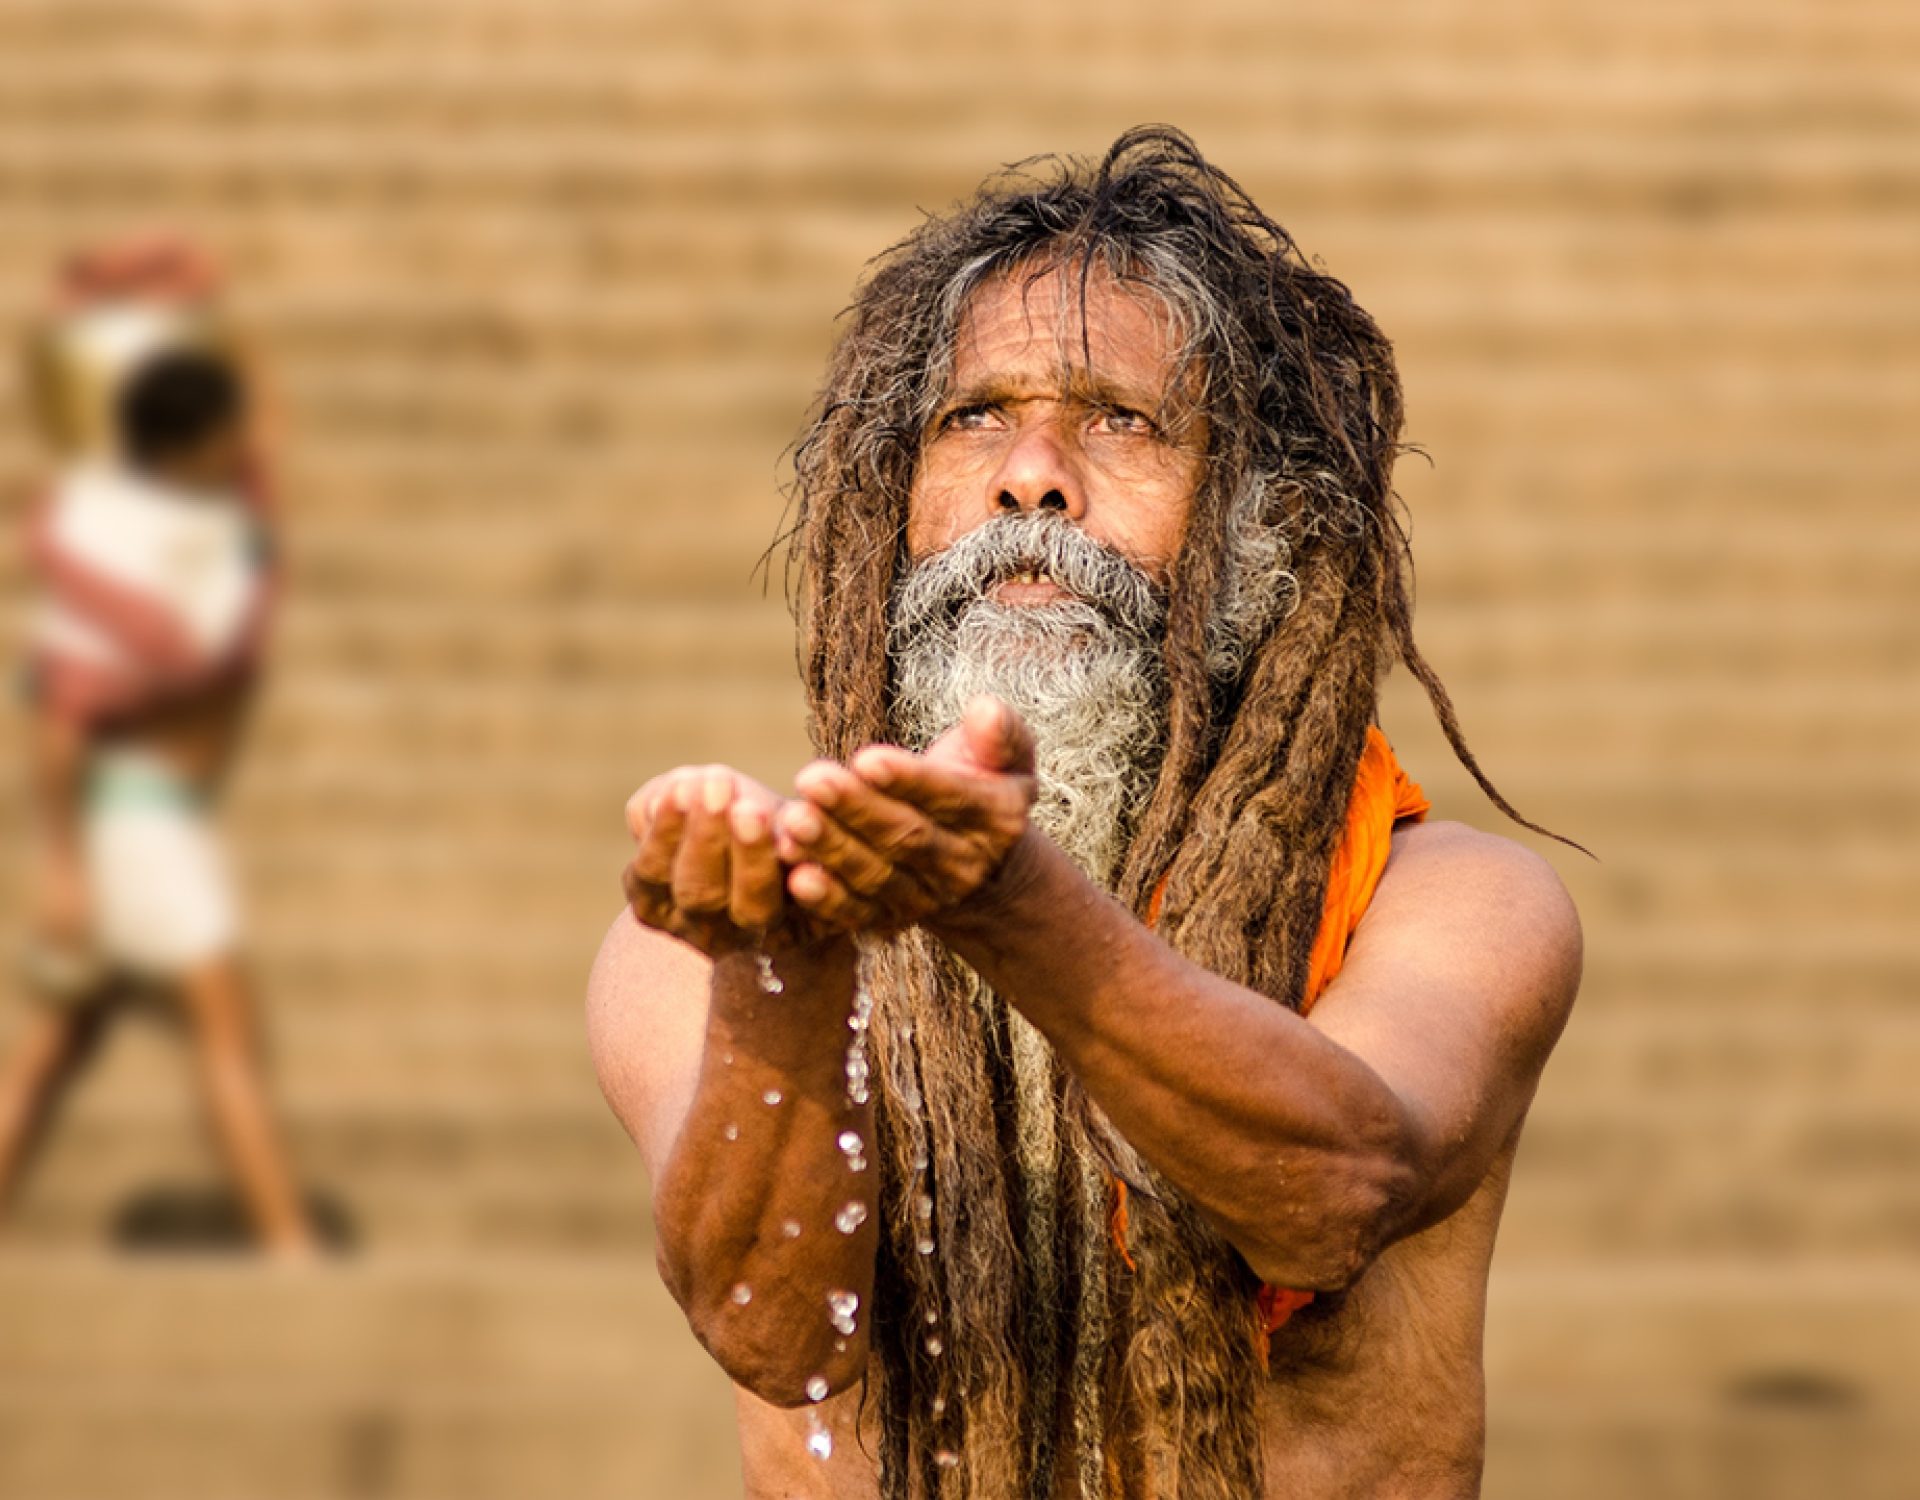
(646, 1028)
(1454, 991)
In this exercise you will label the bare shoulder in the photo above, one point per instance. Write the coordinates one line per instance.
(1481, 870)
(1485, 906)
(646, 1027)
(1458, 982)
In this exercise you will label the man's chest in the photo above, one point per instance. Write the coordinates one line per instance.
(1385, 1380)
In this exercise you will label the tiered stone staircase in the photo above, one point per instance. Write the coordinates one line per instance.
(547, 289)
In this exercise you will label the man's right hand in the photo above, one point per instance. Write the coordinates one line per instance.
(705, 868)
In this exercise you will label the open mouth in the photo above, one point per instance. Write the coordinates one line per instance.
(1030, 585)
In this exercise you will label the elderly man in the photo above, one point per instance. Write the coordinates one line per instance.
(1096, 1078)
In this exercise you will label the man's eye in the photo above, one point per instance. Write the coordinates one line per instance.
(962, 418)
(1126, 420)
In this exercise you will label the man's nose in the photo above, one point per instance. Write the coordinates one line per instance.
(1038, 473)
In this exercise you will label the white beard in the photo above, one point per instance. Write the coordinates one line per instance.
(1092, 692)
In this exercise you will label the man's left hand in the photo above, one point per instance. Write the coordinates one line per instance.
(894, 838)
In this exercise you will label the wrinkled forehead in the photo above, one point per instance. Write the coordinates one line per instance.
(1047, 329)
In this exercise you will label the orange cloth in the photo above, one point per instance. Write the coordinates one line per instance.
(1383, 797)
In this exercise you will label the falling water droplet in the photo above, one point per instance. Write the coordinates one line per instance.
(946, 1458)
(924, 1246)
(770, 982)
(932, 1317)
(939, 1405)
(727, 1058)
(817, 1388)
(790, 1228)
(841, 1308)
(858, 1022)
(851, 1217)
(850, 1143)
(741, 1294)
(923, 1207)
(819, 1440)
(935, 1347)
(731, 1131)
(771, 1096)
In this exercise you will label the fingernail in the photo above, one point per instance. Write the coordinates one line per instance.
(683, 794)
(804, 823)
(717, 792)
(808, 883)
(748, 825)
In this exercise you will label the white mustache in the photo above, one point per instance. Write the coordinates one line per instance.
(938, 588)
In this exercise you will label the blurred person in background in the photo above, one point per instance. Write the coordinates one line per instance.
(153, 555)
(1098, 1077)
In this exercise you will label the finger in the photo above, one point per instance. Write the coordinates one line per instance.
(947, 793)
(643, 804)
(997, 736)
(651, 902)
(809, 834)
(756, 890)
(894, 830)
(700, 880)
(825, 897)
(667, 825)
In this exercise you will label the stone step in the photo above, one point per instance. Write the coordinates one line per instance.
(498, 272)
(1619, 1066)
(421, 887)
(522, 365)
(1819, 172)
(474, 81)
(1846, 398)
(422, 1377)
(1693, 824)
(366, 716)
(1780, 467)
(1646, 1139)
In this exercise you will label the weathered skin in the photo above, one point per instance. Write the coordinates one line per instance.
(1362, 1153)
(1376, 1391)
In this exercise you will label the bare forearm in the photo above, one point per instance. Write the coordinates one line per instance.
(1290, 1144)
(59, 751)
(766, 1206)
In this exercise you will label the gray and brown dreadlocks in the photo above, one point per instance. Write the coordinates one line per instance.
(1018, 1353)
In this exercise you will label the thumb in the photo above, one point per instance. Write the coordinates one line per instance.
(996, 737)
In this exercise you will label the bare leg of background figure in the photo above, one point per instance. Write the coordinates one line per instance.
(44, 1057)
(232, 1074)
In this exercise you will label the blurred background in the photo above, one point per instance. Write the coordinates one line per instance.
(546, 290)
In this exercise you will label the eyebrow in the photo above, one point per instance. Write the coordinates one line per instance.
(1091, 387)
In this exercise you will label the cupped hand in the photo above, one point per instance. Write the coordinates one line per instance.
(705, 867)
(894, 838)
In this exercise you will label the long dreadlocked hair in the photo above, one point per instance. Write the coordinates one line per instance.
(1020, 1352)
